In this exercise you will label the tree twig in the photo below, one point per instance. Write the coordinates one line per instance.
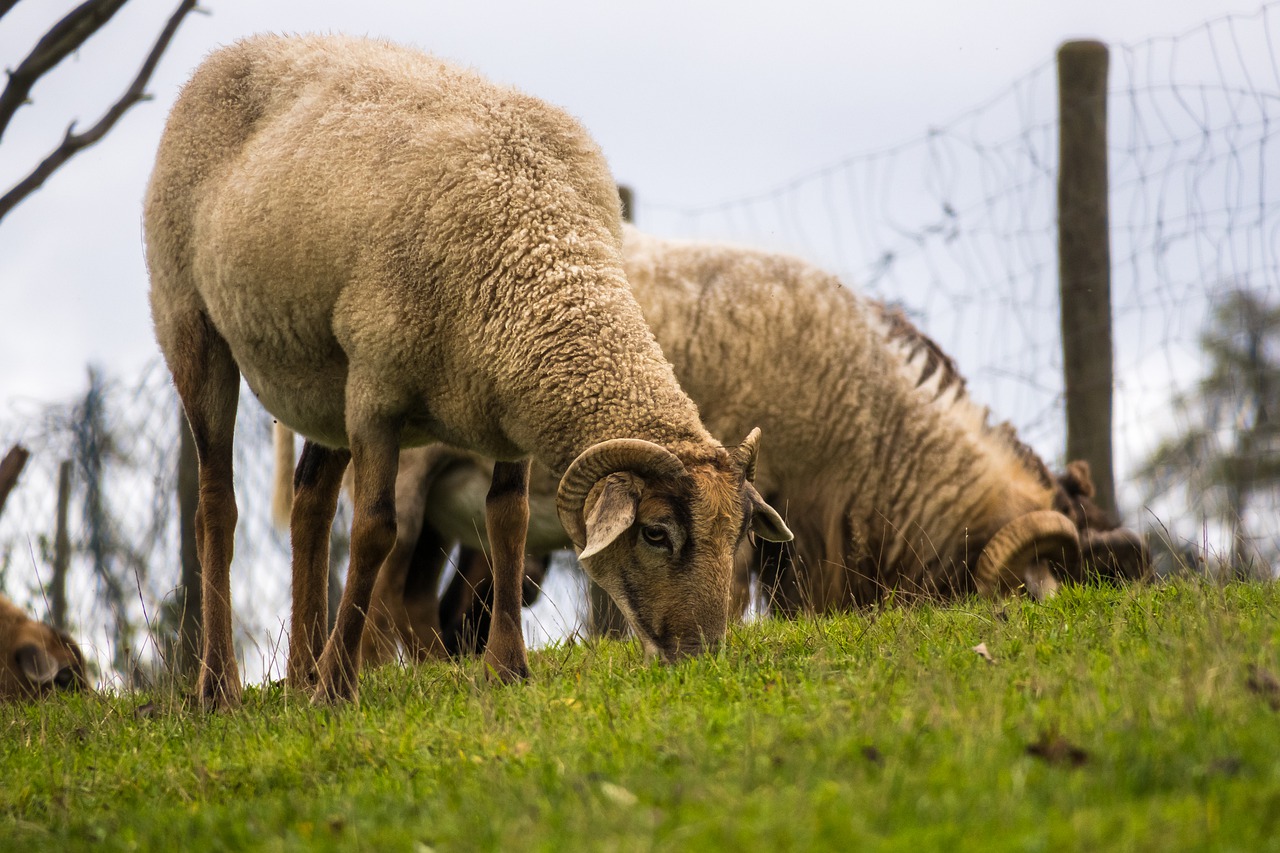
(6, 5)
(10, 467)
(74, 142)
(62, 40)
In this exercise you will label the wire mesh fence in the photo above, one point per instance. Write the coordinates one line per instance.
(957, 226)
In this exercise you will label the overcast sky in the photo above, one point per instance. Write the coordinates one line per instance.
(692, 102)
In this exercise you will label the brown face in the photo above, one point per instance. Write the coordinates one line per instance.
(659, 534)
(40, 660)
(1108, 551)
(669, 563)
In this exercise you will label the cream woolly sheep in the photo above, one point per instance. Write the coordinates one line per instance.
(35, 659)
(894, 478)
(393, 251)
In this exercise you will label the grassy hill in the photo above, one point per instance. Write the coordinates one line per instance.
(1137, 719)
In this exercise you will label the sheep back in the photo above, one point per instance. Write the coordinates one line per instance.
(342, 206)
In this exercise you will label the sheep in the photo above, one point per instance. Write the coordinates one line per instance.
(392, 251)
(894, 477)
(35, 659)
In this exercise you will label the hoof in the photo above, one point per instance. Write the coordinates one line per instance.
(329, 696)
(304, 682)
(218, 696)
(337, 684)
(505, 672)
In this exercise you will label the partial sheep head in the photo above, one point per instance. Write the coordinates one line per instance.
(660, 536)
(1025, 552)
(37, 659)
(1107, 550)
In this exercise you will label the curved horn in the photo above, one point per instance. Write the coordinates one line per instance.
(599, 461)
(744, 456)
(1020, 542)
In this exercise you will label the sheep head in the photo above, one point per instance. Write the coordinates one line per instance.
(37, 660)
(1024, 552)
(1107, 550)
(659, 535)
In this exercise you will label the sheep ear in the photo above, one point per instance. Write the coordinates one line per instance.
(1079, 478)
(765, 521)
(36, 664)
(614, 512)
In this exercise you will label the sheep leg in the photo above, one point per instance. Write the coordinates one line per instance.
(375, 455)
(507, 522)
(387, 623)
(316, 483)
(467, 604)
(405, 607)
(208, 383)
(421, 632)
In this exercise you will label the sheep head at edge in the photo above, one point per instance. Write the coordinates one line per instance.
(37, 658)
(659, 535)
(1108, 552)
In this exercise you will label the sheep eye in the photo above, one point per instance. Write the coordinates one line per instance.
(656, 536)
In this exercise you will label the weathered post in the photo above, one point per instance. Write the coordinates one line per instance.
(10, 468)
(61, 550)
(1084, 259)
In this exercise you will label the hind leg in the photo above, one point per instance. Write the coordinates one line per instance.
(375, 453)
(208, 383)
(507, 522)
(316, 484)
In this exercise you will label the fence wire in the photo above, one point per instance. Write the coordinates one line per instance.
(957, 226)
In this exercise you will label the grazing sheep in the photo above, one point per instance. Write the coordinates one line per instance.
(35, 659)
(893, 476)
(393, 251)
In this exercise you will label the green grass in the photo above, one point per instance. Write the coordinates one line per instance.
(881, 730)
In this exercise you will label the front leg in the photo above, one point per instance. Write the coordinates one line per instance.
(316, 482)
(506, 518)
(375, 456)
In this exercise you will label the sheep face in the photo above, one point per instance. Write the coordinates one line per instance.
(660, 536)
(37, 659)
(1107, 550)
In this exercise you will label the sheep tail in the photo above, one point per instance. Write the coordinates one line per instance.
(282, 490)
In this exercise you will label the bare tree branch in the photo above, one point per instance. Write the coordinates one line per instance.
(6, 5)
(10, 467)
(61, 41)
(74, 142)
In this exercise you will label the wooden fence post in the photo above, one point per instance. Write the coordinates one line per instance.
(10, 468)
(1084, 259)
(61, 550)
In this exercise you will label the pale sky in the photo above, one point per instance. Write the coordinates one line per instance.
(693, 103)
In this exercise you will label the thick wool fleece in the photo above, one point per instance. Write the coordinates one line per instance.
(877, 456)
(378, 234)
(890, 475)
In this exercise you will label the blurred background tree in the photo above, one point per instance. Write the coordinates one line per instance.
(1229, 453)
